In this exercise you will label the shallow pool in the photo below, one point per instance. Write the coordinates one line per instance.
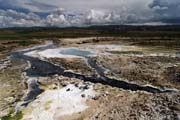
(75, 52)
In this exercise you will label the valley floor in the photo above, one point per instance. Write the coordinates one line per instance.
(91, 79)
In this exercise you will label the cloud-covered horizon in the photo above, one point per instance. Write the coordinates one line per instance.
(60, 13)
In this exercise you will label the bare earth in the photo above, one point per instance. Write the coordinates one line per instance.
(76, 95)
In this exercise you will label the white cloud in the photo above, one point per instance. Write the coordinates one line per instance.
(11, 18)
(92, 12)
(63, 18)
(98, 17)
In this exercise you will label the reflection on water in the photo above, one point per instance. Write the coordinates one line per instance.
(76, 52)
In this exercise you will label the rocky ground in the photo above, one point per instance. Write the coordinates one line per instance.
(12, 85)
(77, 65)
(73, 98)
(126, 105)
(157, 71)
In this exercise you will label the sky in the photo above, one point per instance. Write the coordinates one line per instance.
(65, 13)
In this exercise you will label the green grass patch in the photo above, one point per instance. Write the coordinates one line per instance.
(93, 31)
(126, 52)
(12, 116)
(2, 48)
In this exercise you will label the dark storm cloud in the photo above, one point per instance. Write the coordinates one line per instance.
(166, 10)
(169, 8)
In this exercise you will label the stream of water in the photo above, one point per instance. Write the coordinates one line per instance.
(43, 68)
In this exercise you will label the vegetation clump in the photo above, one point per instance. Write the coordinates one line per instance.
(12, 116)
